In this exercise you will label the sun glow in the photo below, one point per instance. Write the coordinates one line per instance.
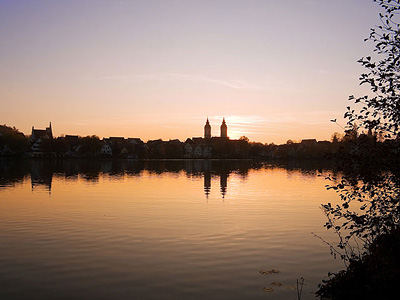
(158, 73)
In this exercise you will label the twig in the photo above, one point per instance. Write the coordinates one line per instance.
(299, 291)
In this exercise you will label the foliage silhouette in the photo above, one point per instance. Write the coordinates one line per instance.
(367, 220)
(381, 112)
(12, 141)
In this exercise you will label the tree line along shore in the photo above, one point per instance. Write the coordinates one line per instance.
(42, 144)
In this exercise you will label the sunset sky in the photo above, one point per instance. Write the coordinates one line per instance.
(276, 70)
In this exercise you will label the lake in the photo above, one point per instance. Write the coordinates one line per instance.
(162, 229)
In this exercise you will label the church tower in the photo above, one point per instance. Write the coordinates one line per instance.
(224, 129)
(207, 130)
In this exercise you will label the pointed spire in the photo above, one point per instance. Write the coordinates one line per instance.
(49, 130)
(207, 129)
(224, 129)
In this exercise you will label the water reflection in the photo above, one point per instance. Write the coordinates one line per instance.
(110, 224)
(223, 183)
(41, 172)
(41, 176)
(207, 183)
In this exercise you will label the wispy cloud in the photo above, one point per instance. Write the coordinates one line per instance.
(230, 83)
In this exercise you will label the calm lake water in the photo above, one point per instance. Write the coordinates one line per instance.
(161, 230)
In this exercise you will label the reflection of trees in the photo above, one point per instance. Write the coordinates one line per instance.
(306, 167)
(42, 171)
(13, 172)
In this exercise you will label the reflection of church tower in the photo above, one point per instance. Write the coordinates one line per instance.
(207, 183)
(207, 130)
(223, 182)
(224, 129)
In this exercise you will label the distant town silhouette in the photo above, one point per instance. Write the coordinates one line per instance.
(42, 144)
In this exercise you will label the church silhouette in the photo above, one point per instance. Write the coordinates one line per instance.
(224, 129)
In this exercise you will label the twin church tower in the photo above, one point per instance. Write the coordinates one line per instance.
(207, 130)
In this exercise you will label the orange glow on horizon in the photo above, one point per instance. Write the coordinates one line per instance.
(255, 128)
(153, 72)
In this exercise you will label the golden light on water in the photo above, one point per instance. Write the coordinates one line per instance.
(78, 223)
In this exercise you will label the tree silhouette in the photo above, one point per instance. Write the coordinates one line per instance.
(367, 221)
(381, 111)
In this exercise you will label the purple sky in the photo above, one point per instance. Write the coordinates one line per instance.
(276, 70)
